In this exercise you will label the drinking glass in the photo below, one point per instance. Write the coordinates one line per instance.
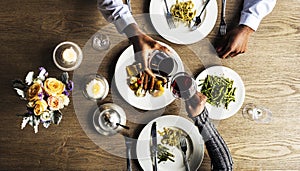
(183, 86)
(100, 42)
(162, 63)
(256, 113)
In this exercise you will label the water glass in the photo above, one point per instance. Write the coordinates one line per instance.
(100, 42)
(162, 63)
(256, 113)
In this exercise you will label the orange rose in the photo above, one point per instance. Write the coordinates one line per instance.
(55, 102)
(53, 86)
(34, 91)
(39, 107)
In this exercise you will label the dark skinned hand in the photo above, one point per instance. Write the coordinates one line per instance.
(235, 42)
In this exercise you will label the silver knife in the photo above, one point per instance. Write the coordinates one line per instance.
(153, 146)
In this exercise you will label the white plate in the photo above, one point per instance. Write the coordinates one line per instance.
(147, 102)
(182, 33)
(219, 113)
(195, 151)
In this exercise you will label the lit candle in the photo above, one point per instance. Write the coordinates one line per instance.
(69, 55)
(95, 89)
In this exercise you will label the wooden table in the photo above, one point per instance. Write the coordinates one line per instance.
(31, 29)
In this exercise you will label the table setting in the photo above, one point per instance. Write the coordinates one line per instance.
(127, 120)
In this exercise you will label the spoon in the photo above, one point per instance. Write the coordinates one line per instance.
(123, 126)
(198, 18)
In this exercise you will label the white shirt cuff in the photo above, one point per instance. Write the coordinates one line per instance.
(122, 22)
(250, 21)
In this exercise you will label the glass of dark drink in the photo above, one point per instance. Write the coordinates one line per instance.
(183, 86)
(163, 64)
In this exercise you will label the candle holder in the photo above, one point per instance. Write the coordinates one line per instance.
(67, 56)
(95, 87)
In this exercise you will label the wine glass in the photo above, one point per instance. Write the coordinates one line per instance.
(183, 86)
(100, 42)
(256, 113)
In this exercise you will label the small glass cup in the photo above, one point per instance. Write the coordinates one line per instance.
(256, 113)
(162, 63)
(95, 87)
(183, 86)
(100, 42)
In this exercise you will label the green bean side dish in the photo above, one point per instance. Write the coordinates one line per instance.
(218, 90)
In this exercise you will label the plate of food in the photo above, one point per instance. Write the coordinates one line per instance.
(131, 88)
(224, 89)
(183, 34)
(170, 129)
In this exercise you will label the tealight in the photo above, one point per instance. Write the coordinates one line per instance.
(69, 55)
(95, 89)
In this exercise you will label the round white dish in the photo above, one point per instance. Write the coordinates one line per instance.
(219, 113)
(195, 151)
(147, 102)
(182, 34)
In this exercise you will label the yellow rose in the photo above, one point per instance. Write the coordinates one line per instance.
(34, 91)
(55, 102)
(53, 86)
(39, 107)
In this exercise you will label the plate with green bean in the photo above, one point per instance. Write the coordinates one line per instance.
(224, 89)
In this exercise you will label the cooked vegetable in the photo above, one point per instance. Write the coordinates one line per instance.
(163, 153)
(218, 90)
(143, 83)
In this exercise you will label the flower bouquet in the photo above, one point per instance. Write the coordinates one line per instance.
(45, 97)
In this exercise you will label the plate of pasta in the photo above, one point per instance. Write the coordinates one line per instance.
(183, 34)
(169, 130)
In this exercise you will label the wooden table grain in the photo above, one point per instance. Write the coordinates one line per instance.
(270, 70)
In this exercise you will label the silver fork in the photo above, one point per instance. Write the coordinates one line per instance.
(169, 17)
(183, 147)
(128, 143)
(223, 25)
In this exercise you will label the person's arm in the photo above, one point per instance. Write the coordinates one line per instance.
(216, 147)
(117, 12)
(254, 11)
(236, 41)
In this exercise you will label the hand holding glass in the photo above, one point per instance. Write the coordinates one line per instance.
(183, 86)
